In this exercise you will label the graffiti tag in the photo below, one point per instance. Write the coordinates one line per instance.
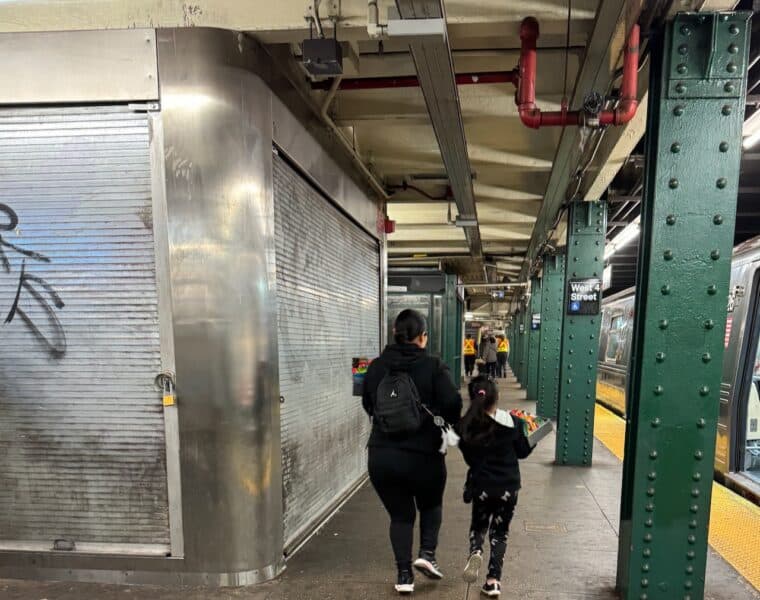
(36, 287)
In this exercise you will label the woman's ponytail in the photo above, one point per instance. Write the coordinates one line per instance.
(476, 425)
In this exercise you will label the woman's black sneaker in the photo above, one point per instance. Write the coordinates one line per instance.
(427, 565)
(492, 590)
(405, 583)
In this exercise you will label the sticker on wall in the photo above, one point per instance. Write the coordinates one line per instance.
(359, 368)
(729, 326)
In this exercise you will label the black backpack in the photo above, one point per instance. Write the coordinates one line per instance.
(397, 404)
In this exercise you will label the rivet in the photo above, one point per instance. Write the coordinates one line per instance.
(733, 48)
(689, 569)
(665, 289)
(660, 357)
(729, 87)
(680, 88)
(643, 597)
(685, 30)
(690, 554)
(687, 584)
(721, 183)
(658, 390)
(709, 324)
(698, 455)
(715, 254)
(668, 254)
(650, 492)
(701, 424)
(591, 337)
(726, 110)
(656, 422)
(704, 390)
(695, 493)
(731, 68)
(648, 523)
(652, 475)
(653, 454)
(723, 147)
(664, 324)
(706, 357)
(712, 289)
(647, 552)
(683, 49)
(645, 568)
(723, 18)
(682, 69)
(696, 476)
(678, 110)
(675, 147)
(694, 508)
(733, 29)
(575, 274)
(673, 183)
(670, 219)
(692, 539)
(649, 507)
(644, 582)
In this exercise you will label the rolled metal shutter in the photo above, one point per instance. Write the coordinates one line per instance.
(328, 292)
(82, 455)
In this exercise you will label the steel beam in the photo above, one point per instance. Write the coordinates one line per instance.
(552, 302)
(698, 77)
(435, 71)
(580, 332)
(534, 338)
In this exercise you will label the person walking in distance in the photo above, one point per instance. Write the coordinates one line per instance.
(470, 352)
(405, 392)
(492, 441)
(502, 353)
(489, 355)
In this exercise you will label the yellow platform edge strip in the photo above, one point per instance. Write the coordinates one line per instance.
(734, 521)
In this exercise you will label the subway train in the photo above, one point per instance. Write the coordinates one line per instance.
(737, 455)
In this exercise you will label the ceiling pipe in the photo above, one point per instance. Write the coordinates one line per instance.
(381, 83)
(533, 117)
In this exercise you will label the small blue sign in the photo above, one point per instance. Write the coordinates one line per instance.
(575, 306)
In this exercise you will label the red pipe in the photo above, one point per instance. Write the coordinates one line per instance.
(377, 83)
(532, 116)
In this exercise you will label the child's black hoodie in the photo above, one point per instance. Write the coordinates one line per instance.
(493, 458)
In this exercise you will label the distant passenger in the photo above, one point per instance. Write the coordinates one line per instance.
(470, 351)
(502, 354)
(492, 442)
(489, 355)
(406, 464)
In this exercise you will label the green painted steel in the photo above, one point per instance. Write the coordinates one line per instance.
(534, 338)
(587, 224)
(696, 109)
(552, 297)
(452, 328)
(524, 344)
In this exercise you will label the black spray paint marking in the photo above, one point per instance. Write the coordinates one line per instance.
(27, 282)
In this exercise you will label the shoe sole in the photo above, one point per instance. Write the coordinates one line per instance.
(472, 569)
(405, 589)
(490, 594)
(427, 569)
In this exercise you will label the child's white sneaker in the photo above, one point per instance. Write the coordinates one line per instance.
(472, 568)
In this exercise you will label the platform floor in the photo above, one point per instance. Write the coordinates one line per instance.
(563, 545)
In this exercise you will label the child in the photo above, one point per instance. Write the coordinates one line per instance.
(492, 442)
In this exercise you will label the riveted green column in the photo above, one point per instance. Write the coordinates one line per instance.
(696, 109)
(586, 227)
(552, 302)
(534, 339)
(524, 343)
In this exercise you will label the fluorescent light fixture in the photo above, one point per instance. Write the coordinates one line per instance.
(607, 278)
(629, 233)
(751, 130)
(468, 316)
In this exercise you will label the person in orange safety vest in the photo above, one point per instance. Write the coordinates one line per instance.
(470, 351)
(502, 354)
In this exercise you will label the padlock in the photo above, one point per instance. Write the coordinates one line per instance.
(170, 398)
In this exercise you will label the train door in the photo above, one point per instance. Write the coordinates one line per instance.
(748, 420)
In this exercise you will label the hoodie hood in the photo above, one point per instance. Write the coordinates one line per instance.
(403, 356)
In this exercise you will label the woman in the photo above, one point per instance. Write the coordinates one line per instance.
(490, 356)
(408, 470)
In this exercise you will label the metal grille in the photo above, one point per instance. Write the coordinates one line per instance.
(328, 290)
(82, 454)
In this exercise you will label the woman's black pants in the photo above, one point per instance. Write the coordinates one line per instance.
(408, 482)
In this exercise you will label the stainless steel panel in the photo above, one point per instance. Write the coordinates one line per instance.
(304, 150)
(328, 292)
(217, 124)
(118, 65)
(81, 424)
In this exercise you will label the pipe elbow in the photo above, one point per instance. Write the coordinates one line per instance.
(626, 111)
(530, 116)
(529, 29)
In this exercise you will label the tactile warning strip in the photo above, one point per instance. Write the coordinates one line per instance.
(734, 521)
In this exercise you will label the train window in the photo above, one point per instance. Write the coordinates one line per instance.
(615, 340)
(752, 448)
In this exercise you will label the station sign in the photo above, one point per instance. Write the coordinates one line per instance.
(584, 296)
(535, 321)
